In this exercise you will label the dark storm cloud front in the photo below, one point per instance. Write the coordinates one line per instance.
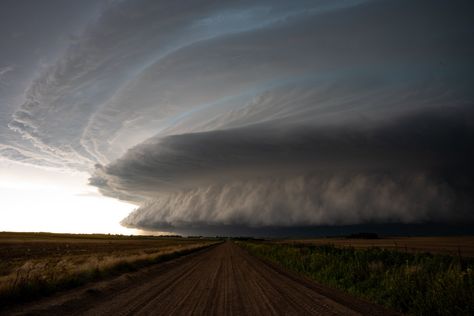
(253, 113)
(412, 169)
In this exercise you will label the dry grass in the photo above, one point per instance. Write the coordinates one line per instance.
(31, 263)
(456, 246)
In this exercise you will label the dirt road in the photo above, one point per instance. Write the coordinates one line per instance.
(222, 280)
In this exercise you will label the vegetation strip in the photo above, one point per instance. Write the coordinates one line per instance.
(27, 286)
(418, 284)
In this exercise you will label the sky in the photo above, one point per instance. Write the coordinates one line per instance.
(124, 116)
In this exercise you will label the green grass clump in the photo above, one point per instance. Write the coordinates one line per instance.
(418, 284)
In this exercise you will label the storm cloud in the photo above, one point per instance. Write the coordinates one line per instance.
(257, 113)
(412, 169)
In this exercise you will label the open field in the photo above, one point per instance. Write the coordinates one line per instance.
(450, 245)
(219, 280)
(259, 277)
(32, 264)
(417, 283)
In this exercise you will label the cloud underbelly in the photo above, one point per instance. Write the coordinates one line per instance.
(300, 200)
(411, 169)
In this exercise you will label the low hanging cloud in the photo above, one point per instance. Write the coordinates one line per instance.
(313, 199)
(411, 169)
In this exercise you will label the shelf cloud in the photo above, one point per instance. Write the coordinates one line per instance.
(257, 113)
(410, 169)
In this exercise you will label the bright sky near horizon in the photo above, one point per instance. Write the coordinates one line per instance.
(47, 200)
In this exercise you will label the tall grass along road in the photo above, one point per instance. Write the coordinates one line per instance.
(413, 283)
(221, 280)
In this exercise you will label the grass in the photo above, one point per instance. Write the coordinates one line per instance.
(412, 283)
(32, 267)
(447, 245)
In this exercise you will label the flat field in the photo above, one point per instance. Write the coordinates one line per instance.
(31, 263)
(449, 245)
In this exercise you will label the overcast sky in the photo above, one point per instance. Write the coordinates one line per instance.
(242, 113)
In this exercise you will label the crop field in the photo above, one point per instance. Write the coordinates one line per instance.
(34, 263)
(415, 283)
(451, 245)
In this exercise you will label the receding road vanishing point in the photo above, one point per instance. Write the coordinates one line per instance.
(221, 280)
